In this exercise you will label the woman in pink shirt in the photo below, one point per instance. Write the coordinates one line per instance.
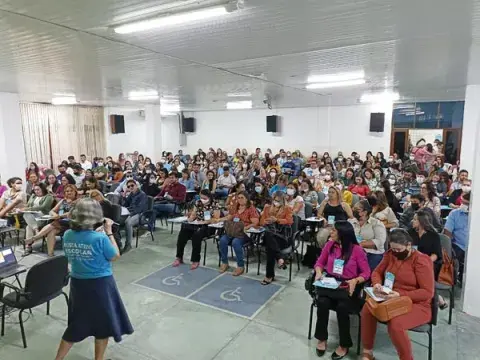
(343, 259)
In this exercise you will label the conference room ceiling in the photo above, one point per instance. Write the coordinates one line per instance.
(419, 49)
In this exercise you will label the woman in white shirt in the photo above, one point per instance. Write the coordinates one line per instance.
(295, 201)
(381, 211)
(431, 200)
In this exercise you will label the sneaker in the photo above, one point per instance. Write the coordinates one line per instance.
(194, 265)
(223, 268)
(177, 262)
(238, 271)
(126, 249)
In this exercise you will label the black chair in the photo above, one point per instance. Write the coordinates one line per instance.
(146, 218)
(114, 186)
(178, 209)
(447, 246)
(8, 230)
(356, 312)
(44, 282)
(308, 210)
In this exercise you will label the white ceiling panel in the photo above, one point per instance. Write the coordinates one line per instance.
(419, 48)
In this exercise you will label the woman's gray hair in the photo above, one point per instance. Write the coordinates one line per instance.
(425, 220)
(86, 215)
(400, 236)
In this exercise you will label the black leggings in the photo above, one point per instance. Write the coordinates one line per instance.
(274, 245)
(196, 234)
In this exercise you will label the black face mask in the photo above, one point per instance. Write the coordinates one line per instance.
(401, 255)
(356, 214)
(415, 207)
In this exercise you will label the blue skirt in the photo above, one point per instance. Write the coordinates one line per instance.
(96, 309)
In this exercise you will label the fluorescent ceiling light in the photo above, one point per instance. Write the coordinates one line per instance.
(328, 85)
(384, 97)
(169, 20)
(64, 100)
(169, 106)
(235, 105)
(336, 77)
(143, 95)
(240, 94)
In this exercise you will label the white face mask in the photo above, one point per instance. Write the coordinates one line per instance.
(204, 201)
(323, 171)
(466, 188)
(420, 180)
(100, 163)
(391, 181)
(356, 167)
(272, 174)
(18, 187)
(244, 166)
(340, 187)
(258, 189)
(290, 192)
(390, 159)
(412, 157)
(327, 177)
(210, 167)
(153, 180)
(276, 203)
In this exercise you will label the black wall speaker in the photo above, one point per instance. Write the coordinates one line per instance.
(188, 125)
(272, 123)
(377, 122)
(117, 124)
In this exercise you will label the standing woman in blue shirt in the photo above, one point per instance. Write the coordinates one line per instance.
(95, 307)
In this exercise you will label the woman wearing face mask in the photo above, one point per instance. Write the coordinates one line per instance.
(380, 159)
(210, 183)
(370, 232)
(295, 201)
(150, 185)
(360, 187)
(466, 188)
(327, 182)
(308, 193)
(260, 196)
(13, 198)
(347, 196)
(278, 214)
(61, 214)
(243, 212)
(205, 210)
(405, 264)
(431, 200)
(353, 270)
(332, 209)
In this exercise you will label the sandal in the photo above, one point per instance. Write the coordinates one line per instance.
(443, 306)
(368, 356)
(267, 282)
(282, 265)
(28, 242)
(28, 251)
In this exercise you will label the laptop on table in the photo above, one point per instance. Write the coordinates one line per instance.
(8, 263)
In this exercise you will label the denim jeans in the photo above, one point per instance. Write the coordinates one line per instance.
(221, 193)
(131, 221)
(164, 209)
(237, 245)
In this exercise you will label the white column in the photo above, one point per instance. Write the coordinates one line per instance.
(12, 151)
(471, 295)
(471, 117)
(154, 132)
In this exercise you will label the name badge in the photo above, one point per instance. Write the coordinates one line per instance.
(331, 220)
(60, 212)
(206, 215)
(338, 266)
(359, 238)
(389, 280)
(236, 219)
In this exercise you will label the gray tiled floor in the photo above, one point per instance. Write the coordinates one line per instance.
(168, 327)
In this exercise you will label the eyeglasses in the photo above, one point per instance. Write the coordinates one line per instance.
(130, 186)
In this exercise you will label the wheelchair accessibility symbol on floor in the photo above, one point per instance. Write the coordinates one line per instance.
(173, 280)
(232, 295)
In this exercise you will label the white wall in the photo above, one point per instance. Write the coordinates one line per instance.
(344, 128)
(134, 137)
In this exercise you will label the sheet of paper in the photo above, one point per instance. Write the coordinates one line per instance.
(327, 282)
(125, 211)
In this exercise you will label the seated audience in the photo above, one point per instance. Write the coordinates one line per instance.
(295, 201)
(13, 198)
(52, 183)
(39, 204)
(370, 232)
(332, 209)
(231, 202)
(60, 214)
(65, 180)
(32, 181)
(347, 196)
(360, 187)
(417, 202)
(308, 193)
(414, 278)
(260, 197)
(210, 183)
(108, 213)
(78, 175)
(456, 197)
(276, 215)
(343, 259)
(225, 183)
(187, 181)
(197, 176)
(281, 185)
(456, 228)
(136, 202)
(392, 200)
(431, 199)
(166, 202)
(381, 211)
(239, 220)
(371, 180)
(150, 185)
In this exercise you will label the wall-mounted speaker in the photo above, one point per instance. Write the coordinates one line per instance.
(377, 122)
(272, 123)
(188, 125)
(117, 124)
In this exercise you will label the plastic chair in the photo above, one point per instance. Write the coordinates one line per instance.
(146, 219)
(37, 291)
(447, 246)
(321, 197)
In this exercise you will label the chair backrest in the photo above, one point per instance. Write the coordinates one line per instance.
(434, 308)
(446, 244)
(308, 210)
(321, 197)
(151, 200)
(114, 198)
(103, 186)
(114, 187)
(47, 278)
(117, 213)
(355, 199)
